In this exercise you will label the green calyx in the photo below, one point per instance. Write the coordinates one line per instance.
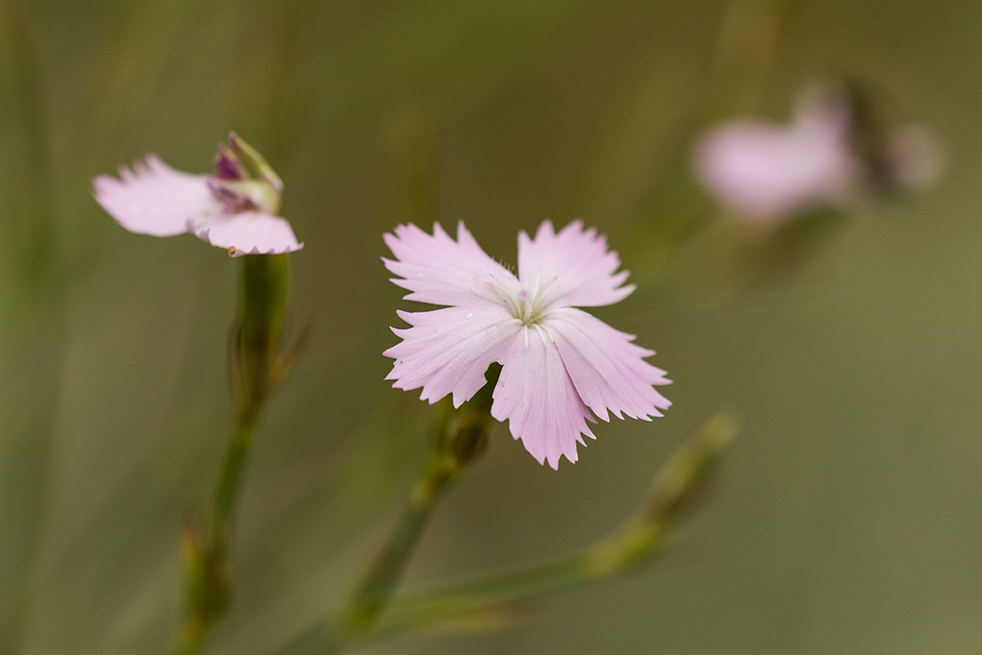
(255, 162)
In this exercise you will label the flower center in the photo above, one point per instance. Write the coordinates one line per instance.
(528, 306)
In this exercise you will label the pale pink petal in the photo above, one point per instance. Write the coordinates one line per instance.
(448, 350)
(156, 199)
(249, 233)
(769, 172)
(573, 268)
(608, 371)
(441, 271)
(536, 396)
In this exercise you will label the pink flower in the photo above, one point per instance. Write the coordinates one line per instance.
(558, 362)
(229, 210)
(837, 147)
(770, 172)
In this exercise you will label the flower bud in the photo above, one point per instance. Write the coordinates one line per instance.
(255, 162)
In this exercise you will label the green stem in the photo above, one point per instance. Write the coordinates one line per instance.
(207, 557)
(34, 292)
(257, 365)
(460, 438)
(378, 583)
(680, 481)
(373, 591)
(255, 362)
(490, 595)
(229, 487)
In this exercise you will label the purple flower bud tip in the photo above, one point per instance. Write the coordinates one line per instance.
(227, 167)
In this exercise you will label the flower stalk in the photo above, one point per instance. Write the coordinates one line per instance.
(257, 364)
(680, 482)
(460, 437)
(489, 600)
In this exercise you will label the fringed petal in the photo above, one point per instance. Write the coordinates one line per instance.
(155, 199)
(249, 233)
(536, 396)
(448, 350)
(607, 370)
(441, 271)
(573, 268)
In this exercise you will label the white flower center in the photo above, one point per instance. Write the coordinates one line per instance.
(528, 305)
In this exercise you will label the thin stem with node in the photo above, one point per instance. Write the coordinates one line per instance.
(459, 437)
(257, 364)
(492, 598)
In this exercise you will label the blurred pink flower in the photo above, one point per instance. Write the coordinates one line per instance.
(558, 362)
(226, 210)
(769, 172)
(837, 146)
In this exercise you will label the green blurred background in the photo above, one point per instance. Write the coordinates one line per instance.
(848, 518)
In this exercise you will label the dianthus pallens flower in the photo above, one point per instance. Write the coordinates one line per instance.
(558, 362)
(230, 209)
(837, 146)
(769, 172)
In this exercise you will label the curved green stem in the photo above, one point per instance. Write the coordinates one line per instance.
(34, 288)
(460, 437)
(680, 481)
(379, 581)
(485, 599)
(207, 557)
(643, 538)
(375, 587)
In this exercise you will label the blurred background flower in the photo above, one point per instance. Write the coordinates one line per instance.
(848, 519)
(835, 150)
(769, 173)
